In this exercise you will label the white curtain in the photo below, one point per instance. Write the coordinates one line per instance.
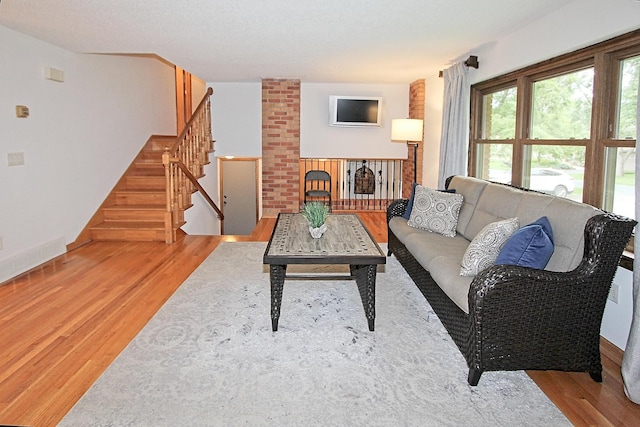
(631, 360)
(455, 123)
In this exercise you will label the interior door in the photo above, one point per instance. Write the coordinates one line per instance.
(239, 196)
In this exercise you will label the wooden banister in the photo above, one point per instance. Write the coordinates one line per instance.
(202, 191)
(184, 162)
(203, 104)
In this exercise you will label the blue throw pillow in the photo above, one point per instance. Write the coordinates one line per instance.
(530, 246)
(407, 213)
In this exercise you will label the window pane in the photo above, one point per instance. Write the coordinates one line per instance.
(628, 99)
(562, 106)
(619, 186)
(494, 162)
(499, 115)
(556, 169)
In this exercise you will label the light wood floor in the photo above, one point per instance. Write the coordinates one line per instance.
(62, 324)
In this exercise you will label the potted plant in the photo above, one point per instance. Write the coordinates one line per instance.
(316, 213)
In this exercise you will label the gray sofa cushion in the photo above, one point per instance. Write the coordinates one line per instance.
(438, 254)
(471, 189)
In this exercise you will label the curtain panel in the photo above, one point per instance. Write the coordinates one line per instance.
(631, 359)
(455, 123)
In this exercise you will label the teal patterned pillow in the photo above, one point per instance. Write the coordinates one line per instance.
(435, 211)
(485, 247)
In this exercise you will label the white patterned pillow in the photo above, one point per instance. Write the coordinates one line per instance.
(485, 247)
(435, 211)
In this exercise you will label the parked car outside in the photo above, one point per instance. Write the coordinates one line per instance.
(543, 179)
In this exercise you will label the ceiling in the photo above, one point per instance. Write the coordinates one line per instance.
(343, 41)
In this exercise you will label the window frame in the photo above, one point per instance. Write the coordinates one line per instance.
(605, 58)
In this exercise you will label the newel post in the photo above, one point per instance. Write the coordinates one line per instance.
(169, 235)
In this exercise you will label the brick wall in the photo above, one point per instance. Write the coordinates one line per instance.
(416, 111)
(280, 146)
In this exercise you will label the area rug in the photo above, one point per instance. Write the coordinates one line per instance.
(209, 358)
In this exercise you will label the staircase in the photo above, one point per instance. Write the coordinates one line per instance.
(135, 211)
(149, 200)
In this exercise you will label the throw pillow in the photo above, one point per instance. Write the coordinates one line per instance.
(407, 213)
(531, 246)
(485, 247)
(435, 211)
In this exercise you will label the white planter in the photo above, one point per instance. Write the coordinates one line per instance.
(316, 233)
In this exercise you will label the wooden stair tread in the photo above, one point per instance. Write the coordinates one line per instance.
(139, 225)
(136, 207)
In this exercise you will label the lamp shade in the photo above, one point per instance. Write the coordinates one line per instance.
(406, 130)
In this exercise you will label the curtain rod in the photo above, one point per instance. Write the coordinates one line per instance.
(472, 61)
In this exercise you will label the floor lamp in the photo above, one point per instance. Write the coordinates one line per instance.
(408, 131)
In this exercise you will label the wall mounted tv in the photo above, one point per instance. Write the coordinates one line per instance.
(355, 110)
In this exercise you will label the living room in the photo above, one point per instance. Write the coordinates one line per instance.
(82, 134)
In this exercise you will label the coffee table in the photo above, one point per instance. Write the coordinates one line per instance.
(346, 241)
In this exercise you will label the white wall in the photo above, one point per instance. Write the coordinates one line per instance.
(319, 140)
(80, 137)
(574, 26)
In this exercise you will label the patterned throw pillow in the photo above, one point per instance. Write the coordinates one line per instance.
(485, 247)
(435, 211)
(407, 213)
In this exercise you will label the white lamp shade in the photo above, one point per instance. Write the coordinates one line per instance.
(406, 130)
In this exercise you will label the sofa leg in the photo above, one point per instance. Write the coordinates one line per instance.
(596, 376)
(474, 376)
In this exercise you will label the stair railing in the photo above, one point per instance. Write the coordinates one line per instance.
(184, 163)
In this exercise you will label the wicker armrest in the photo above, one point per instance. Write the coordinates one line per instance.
(397, 208)
(536, 315)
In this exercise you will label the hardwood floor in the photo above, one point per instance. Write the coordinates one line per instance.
(62, 324)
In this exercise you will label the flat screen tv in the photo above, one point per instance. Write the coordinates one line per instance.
(355, 110)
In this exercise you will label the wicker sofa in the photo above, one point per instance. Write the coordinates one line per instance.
(509, 317)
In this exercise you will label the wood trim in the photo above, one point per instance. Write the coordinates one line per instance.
(610, 350)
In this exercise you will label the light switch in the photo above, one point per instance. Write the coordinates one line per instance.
(15, 159)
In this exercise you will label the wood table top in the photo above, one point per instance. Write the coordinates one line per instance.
(346, 241)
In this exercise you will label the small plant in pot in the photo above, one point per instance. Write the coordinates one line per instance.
(316, 213)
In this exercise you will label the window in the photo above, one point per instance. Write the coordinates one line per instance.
(619, 173)
(566, 126)
(499, 114)
(562, 106)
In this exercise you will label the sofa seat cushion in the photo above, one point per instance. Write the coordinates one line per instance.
(448, 278)
(439, 255)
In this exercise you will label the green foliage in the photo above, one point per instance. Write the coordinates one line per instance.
(316, 213)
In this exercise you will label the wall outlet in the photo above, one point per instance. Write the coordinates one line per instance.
(1, 246)
(613, 292)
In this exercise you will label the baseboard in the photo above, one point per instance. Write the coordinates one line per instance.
(611, 351)
(25, 261)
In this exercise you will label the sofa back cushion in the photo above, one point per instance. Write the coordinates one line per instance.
(470, 189)
(486, 202)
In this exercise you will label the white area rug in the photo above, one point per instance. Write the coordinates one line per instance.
(209, 358)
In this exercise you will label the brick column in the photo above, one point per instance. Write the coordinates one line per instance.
(280, 146)
(416, 111)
